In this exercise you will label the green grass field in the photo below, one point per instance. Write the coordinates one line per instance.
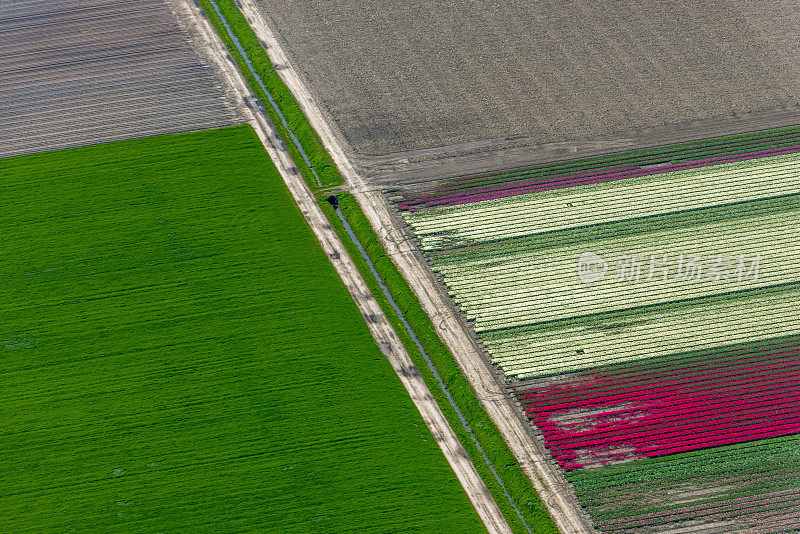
(178, 355)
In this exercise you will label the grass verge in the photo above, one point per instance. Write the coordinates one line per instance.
(312, 145)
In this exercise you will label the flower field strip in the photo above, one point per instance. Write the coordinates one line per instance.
(511, 289)
(592, 178)
(737, 428)
(664, 193)
(645, 157)
(750, 353)
(632, 504)
(755, 484)
(769, 513)
(629, 371)
(178, 352)
(664, 412)
(708, 486)
(614, 230)
(661, 332)
(632, 161)
(762, 462)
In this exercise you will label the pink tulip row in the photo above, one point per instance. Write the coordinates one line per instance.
(729, 363)
(608, 388)
(688, 407)
(709, 433)
(740, 146)
(572, 180)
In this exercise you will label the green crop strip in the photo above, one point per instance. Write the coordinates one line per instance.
(280, 94)
(728, 472)
(178, 355)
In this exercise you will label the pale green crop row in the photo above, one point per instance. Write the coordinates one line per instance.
(542, 285)
(579, 206)
(666, 331)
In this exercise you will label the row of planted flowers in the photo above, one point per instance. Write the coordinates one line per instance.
(752, 486)
(591, 170)
(698, 401)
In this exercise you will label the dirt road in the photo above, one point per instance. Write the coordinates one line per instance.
(378, 324)
(528, 448)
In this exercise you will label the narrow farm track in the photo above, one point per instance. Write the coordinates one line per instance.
(528, 448)
(378, 324)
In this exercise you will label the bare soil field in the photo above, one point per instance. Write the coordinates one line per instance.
(406, 83)
(79, 72)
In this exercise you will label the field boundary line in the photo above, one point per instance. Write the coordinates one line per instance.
(431, 365)
(379, 325)
(557, 494)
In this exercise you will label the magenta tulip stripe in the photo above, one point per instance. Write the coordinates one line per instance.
(445, 198)
(643, 308)
(642, 411)
(615, 166)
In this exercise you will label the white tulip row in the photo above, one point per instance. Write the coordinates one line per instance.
(578, 206)
(518, 288)
(669, 331)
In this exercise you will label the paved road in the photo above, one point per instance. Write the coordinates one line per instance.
(547, 479)
(379, 325)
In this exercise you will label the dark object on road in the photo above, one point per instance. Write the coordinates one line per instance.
(333, 200)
